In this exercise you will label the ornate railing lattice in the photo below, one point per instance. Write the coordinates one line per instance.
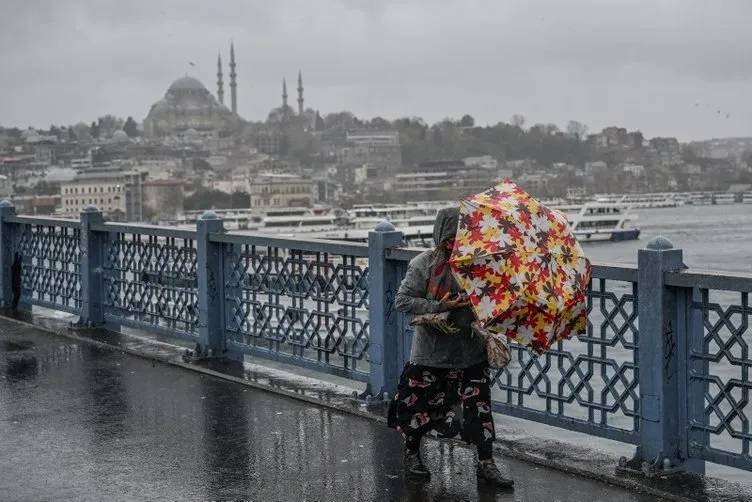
(305, 307)
(591, 384)
(49, 256)
(150, 281)
(723, 371)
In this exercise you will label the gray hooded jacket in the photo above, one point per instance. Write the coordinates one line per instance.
(431, 347)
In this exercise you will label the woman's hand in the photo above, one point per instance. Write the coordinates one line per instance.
(454, 302)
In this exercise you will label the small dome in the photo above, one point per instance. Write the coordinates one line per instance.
(187, 84)
(120, 136)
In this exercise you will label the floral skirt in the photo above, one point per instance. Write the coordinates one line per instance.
(426, 398)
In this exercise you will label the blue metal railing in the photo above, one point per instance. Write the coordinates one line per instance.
(665, 364)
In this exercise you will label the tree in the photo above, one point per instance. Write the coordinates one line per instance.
(342, 120)
(108, 124)
(467, 121)
(518, 121)
(130, 127)
(82, 132)
(94, 130)
(576, 129)
(380, 123)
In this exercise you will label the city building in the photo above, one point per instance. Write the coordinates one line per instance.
(280, 190)
(379, 150)
(116, 192)
(667, 151)
(443, 179)
(6, 189)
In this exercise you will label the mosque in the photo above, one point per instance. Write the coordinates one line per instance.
(189, 110)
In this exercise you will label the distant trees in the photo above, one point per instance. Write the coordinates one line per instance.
(130, 127)
(94, 130)
(518, 121)
(577, 129)
(216, 199)
(108, 124)
(82, 132)
(467, 121)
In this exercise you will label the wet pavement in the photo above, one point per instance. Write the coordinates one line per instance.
(79, 422)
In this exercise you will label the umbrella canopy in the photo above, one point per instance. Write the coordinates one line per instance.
(522, 268)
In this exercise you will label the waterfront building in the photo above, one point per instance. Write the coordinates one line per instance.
(116, 192)
(280, 190)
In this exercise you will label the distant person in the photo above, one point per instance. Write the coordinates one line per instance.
(16, 283)
(448, 364)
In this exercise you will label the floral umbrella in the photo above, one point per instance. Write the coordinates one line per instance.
(524, 271)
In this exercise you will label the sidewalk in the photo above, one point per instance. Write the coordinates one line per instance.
(78, 422)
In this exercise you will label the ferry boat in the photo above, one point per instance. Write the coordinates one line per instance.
(700, 199)
(604, 221)
(412, 214)
(288, 220)
(724, 199)
(594, 221)
(644, 201)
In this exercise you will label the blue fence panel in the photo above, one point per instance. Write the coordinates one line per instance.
(298, 302)
(50, 259)
(722, 363)
(590, 384)
(149, 278)
(307, 303)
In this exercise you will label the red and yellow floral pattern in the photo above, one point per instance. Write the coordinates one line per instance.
(525, 273)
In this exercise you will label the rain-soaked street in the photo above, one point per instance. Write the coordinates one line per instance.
(78, 422)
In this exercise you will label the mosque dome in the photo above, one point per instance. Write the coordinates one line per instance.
(187, 84)
(188, 108)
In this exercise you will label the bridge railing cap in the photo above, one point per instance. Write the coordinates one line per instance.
(384, 226)
(660, 243)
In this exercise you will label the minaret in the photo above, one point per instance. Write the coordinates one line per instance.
(220, 84)
(233, 84)
(300, 93)
(284, 95)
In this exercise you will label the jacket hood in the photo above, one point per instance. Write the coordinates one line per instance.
(445, 226)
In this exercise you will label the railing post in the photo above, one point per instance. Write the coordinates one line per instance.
(383, 281)
(210, 278)
(91, 249)
(660, 447)
(6, 254)
(692, 371)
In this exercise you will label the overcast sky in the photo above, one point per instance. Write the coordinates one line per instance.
(664, 67)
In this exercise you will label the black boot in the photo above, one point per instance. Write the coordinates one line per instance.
(488, 472)
(414, 468)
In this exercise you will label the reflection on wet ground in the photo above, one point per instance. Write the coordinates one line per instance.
(83, 423)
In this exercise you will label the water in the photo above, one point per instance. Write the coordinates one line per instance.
(712, 237)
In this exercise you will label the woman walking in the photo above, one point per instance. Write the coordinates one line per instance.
(448, 363)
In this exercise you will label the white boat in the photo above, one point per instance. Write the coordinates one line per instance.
(747, 198)
(289, 221)
(700, 199)
(595, 221)
(414, 214)
(604, 221)
(644, 201)
(724, 199)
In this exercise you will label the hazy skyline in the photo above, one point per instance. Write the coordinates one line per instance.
(664, 67)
